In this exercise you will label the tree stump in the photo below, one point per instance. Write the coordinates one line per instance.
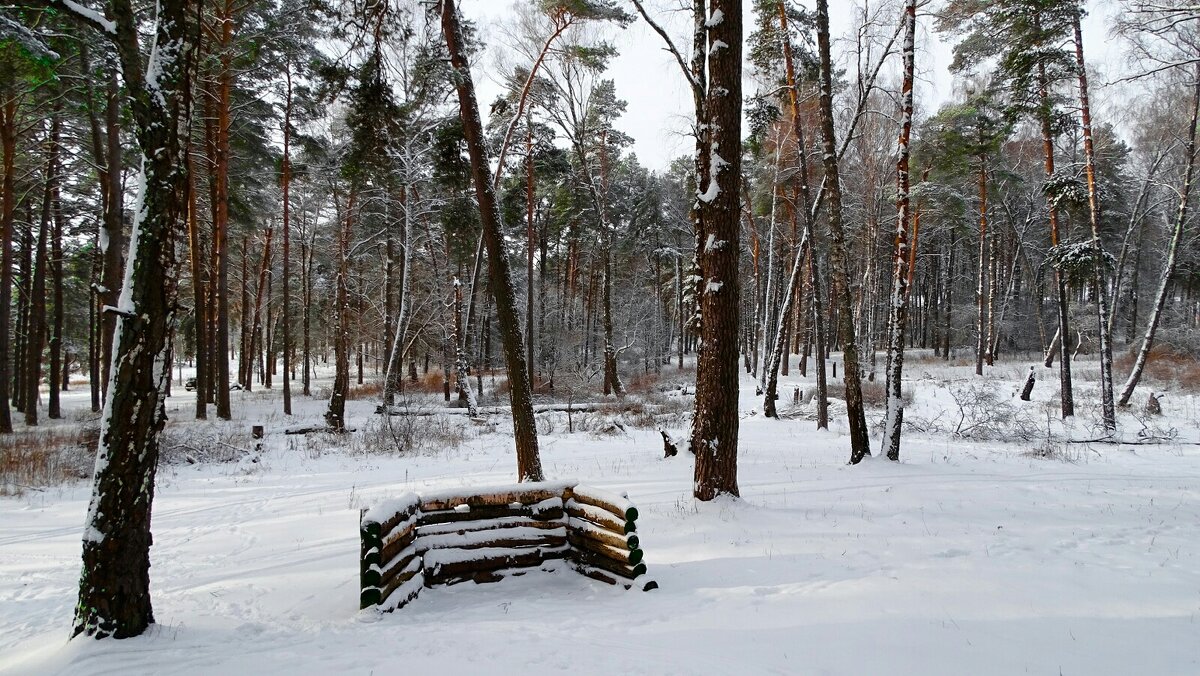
(1028, 389)
(670, 449)
(1152, 405)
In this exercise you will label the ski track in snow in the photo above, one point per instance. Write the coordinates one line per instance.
(964, 558)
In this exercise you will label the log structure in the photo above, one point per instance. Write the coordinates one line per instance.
(413, 542)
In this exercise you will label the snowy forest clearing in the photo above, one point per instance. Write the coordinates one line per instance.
(965, 558)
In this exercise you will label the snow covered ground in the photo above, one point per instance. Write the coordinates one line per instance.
(967, 557)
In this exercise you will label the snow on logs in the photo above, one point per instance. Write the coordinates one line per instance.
(412, 542)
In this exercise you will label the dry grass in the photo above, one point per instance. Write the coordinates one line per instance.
(874, 394)
(1166, 366)
(38, 458)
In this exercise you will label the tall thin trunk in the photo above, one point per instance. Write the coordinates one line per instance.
(36, 338)
(112, 237)
(8, 139)
(394, 377)
(529, 245)
(771, 369)
(1108, 411)
(261, 288)
(898, 318)
(285, 179)
(1064, 374)
(981, 278)
(856, 416)
(529, 465)
(58, 374)
(335, 415)
(220, 178)
(1164, 281)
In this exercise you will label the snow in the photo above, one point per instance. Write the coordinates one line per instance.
(966, 557)
(714, 19)
(713, 286)
(91, 15)
(715, 164)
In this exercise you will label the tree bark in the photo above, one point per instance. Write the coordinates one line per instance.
(1108, 411)
(36, 338)
(898, 318)
(529, 465)
(715, 422)
(114, 588)
(8, 139)
(1067, 400)
(981, 279)
(856, 416)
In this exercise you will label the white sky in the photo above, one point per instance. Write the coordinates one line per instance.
(659, 105)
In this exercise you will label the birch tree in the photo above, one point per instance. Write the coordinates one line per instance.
(898, 318)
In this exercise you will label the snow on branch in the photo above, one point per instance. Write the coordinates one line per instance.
(87, 15)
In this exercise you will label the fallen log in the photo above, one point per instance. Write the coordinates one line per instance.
(310, 429)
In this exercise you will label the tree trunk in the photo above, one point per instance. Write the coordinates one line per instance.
(114, 588)
(715, 422)
(859, 442)
(285, 180)
(1064, 374)
(112, 237)
(335, 415)
(805, 206)
(37, 300)
(897, 320)
(981, 279)
(529, 246)
(58, 373)
(220, 179)
(8, 138)
(529, 465)
(1108, 411)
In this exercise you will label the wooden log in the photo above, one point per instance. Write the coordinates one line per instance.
(311, 429)
(397, 549)
(595, 573)
(371, 546)
(484, 513)
(396, 542)
(403, 592)
(390, 513)
(402, 561)
(602, 562)
(497, 524)
(591, 531)
(614, 504)
(619, 554)
(600, 517)
(540, 539)
(548, 497)
(485, 560)
(397, 576)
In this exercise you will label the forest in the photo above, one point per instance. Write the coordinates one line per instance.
(231, 229)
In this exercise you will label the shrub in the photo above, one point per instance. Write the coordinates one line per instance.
(38, 458)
